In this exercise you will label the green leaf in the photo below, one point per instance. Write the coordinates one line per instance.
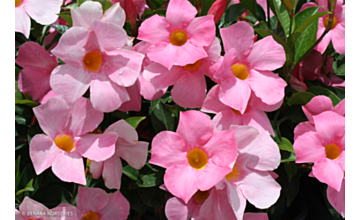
(300, 98)
(341, 70)
(233, 12)
(148, 180)
(72, 6)
(256, 10)
(162, 117)
(60, 28)
(286, 145)
(278, 39)
(340, 92)
(283, 16)
(28, 187)
(305, 42)
(305, 18)
(17, 172)
(18, 94)
(81, 1)
(288, 6)
(261, 25)
(290, 169)
(27, 102)
(17, 71)
(316, 90)
(134, 121)
(131, 172)
(287, 156)
(67, 17)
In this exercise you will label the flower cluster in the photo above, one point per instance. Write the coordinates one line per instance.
(221, 84)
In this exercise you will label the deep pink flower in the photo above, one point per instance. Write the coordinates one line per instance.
(180, 38)
(43, 12)
(67, 139)
(95, 203)
(247, 67)
(337, 31)
(323, 143)
(128, 147)
(95, 58)
(140, 5)
(217, 9)
(188, 80)
(337, 198)
(195, 157)
(226, 116)
(37, 66)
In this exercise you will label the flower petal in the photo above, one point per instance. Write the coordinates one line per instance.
(84, 15)
(97, 147)
(110, 36)
(180, 13)
(309, 147)
(337, 199)
(317, 105)
(47, 16)
(22, 22)
(112, 172)
(69, 167)
(330, 125)
(135, 155)
(32, 55)
(201, 31)
(212, 104)
(154, 30)
(91, 199)
(235, 94)
(117, 207)
(329, 171)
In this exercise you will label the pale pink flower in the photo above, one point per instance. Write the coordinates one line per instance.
(67, 139)
(95, 59)
(252, 178)
(37, 63)
(322, 142)
(246, 69)
(337, 31)
(43, 12)
(337, 198)
(180, 38)
(128, 147)
(31, 209)
(226, 116)
(188, 80)
(95, 203)
(195, 157)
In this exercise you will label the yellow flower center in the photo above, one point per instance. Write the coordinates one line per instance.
(92, 61)
(18, 3)
(178, 38)
(332, 151)
(193, 66)
(65, 143)
(201, 196)
(197, 158)
(333, 25)
(90, 216)
(240, 71)
(235, 173)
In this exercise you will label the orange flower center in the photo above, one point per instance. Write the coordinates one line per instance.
(92, 61)
(90, 216)
(333, 25)
(332, 151)
(201, 196)
(240, 71)
(65, 143)
(235, 173)
(178, 38)
(193, 66)
(197, 158)
(18, 3)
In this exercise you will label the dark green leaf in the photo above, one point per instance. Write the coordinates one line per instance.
(60, 28)
(252, 6)
(286, 145)
(282, 15)
(17, 172)
(131, 172)
(134, 121)
(341, 70)
(27, 102)
(340, 92)
(300, 98)
(287, 156)
(233, 12)
(316, 90)
(288, 6)
(17, 71)
(80, 2)
(67, 17)
(261, 25)
(290, 169)
(28, 187)
(162, 117)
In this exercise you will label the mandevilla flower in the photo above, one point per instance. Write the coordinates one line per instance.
(246, 69)
(95, 58)
(43, 12)
(337, 198)
(127, 147)
(337, 30)
(226, 116)
(66, 140)
(37, 66)
(195, 157)
(180, 38)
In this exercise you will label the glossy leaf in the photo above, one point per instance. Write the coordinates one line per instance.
(286, 145)
(161, 116)
(255, 9)
(283, 16)
(134, 121)
(300, 98)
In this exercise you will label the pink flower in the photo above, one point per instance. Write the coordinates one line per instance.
(66, 140)
(140, 5)
(195, 157)
(43, 12)
(188, 80)
(127, 147)
(217, 9)
(180, 38)
(226, 116)
(95, 203)
(252, 178)
(95, 58)
(322, 142)
(246, 70)
(37, 66)
(337, 198)
(30, 209)
(337, 31)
